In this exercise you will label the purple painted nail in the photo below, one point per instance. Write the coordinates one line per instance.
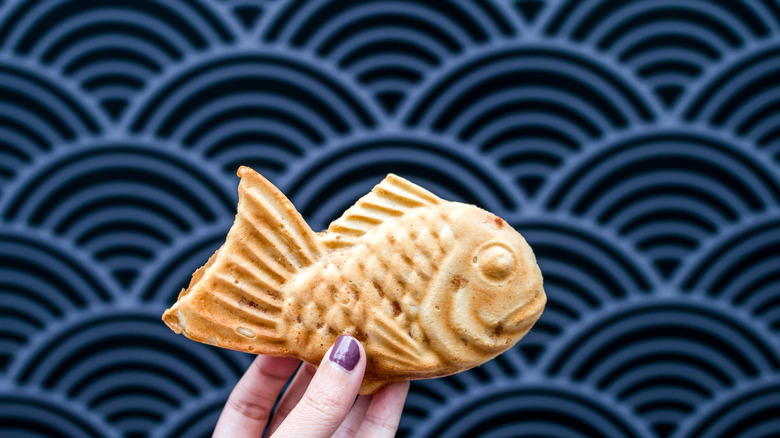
(345, 352)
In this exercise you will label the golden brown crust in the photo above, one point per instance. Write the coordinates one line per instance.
(430, 287)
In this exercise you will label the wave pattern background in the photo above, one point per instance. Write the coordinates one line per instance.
(635, 144)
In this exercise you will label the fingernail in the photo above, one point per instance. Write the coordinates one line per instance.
(345, 353)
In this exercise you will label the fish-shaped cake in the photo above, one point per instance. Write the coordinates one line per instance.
(430, 287)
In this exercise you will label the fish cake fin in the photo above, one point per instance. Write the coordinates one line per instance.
(235, 300)
(388, 200)
(276, 221)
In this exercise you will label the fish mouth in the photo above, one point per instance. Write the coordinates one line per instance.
(523, 317)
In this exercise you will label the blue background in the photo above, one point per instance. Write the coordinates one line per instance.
(636, 145)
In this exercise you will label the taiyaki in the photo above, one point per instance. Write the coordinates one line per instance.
(430, 287)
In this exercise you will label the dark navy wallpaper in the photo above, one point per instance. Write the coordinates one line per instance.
(636, 145)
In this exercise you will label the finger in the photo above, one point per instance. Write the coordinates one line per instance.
(351, 424)
(331, 393)
(292, 396)
(384, 413)
(249, 405)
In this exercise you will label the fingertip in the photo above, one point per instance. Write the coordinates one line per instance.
(280, 361)
(394, 390)
(347, 353)
(384, 413)
(275, 367)
(331, 392)
(252, 399)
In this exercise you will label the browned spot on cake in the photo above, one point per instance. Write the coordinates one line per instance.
(498, 330)
(378, 288)
(459, 282)
(332, 331)
(354, 291)
(499, 222)
(319, 325)
(273, 293)
(396, 308)
(360, 335)
(247, 303)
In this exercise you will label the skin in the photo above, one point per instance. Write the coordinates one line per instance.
(317, 403)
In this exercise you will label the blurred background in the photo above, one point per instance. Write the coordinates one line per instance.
(636, 145)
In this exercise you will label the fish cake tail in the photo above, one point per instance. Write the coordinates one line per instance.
(236, 299)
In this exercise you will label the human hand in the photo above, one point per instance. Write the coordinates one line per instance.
(316, 404)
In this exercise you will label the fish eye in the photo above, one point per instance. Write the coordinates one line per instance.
(496, 262)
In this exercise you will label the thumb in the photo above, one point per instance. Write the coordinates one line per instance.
(330, 394)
